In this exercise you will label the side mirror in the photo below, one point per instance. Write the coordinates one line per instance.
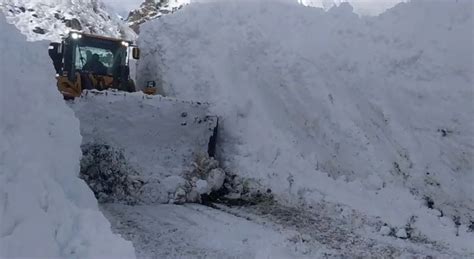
(135, 53)
(55, 53)
(54, 49)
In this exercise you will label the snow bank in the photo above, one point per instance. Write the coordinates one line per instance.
(45, 209)
(374, 113)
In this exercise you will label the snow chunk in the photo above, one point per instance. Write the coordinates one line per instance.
(402, 233)
(215, 179)
(45, 209)
(202, 187)
(385, 230)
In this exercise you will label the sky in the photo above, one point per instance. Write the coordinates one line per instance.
(362, 7)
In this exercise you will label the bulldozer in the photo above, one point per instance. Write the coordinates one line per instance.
(157, 136)
(85, 61)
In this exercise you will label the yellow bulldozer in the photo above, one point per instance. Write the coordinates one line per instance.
(84, 61)
(157, 136)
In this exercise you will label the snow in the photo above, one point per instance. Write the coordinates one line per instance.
(45, 209)
(202, 187)
(401, 233)
(216, 179)
(194, 231)
(361, 7)
(373, 113)
(123, 7)
(159, 138)
(49, 20)
(385, 231)
(266, 230)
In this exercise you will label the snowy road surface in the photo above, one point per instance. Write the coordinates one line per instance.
(261, 231)
(173, 231)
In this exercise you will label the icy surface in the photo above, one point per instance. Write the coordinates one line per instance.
(374, 113)
(45, 209)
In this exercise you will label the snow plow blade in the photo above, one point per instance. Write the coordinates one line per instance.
(158, 136)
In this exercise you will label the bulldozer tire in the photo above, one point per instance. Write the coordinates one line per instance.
(131, 86)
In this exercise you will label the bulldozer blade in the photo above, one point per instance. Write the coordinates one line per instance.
(159, 136)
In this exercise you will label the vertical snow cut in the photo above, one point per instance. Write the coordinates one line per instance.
(372, 112)
(45, 209)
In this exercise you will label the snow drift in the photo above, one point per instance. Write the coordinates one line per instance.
(374, 113)
(45, 209)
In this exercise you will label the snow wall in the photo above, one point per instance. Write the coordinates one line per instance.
(45, 209)
(374, 113)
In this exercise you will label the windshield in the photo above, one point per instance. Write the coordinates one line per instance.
(99, 56)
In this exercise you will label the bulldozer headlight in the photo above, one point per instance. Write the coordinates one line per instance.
(76, 36)
(124, 43)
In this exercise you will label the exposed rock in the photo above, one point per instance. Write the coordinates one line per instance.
(150, 9)
(73, 23)
(52, 20)
(39, 30)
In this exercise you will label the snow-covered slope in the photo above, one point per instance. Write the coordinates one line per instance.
(374, 113)
(152, 9)
(50, 19)
(361, 7)
(45, 209)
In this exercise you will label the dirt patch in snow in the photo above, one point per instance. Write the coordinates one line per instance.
(108, 174)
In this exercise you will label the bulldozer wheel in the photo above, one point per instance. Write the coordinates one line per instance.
(131, 86)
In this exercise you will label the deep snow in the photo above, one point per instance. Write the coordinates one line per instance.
(45, 209)
(373, 113)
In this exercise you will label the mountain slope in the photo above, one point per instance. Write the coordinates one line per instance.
(152, 9)
(366, 7)
(51, 19)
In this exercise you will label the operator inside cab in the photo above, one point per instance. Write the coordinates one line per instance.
(94, 65)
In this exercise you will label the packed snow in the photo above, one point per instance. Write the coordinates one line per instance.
(45, 209)
(373, 113)
(157, 142)
(192, 231)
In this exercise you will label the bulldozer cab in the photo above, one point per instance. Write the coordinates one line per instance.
(84, 61)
